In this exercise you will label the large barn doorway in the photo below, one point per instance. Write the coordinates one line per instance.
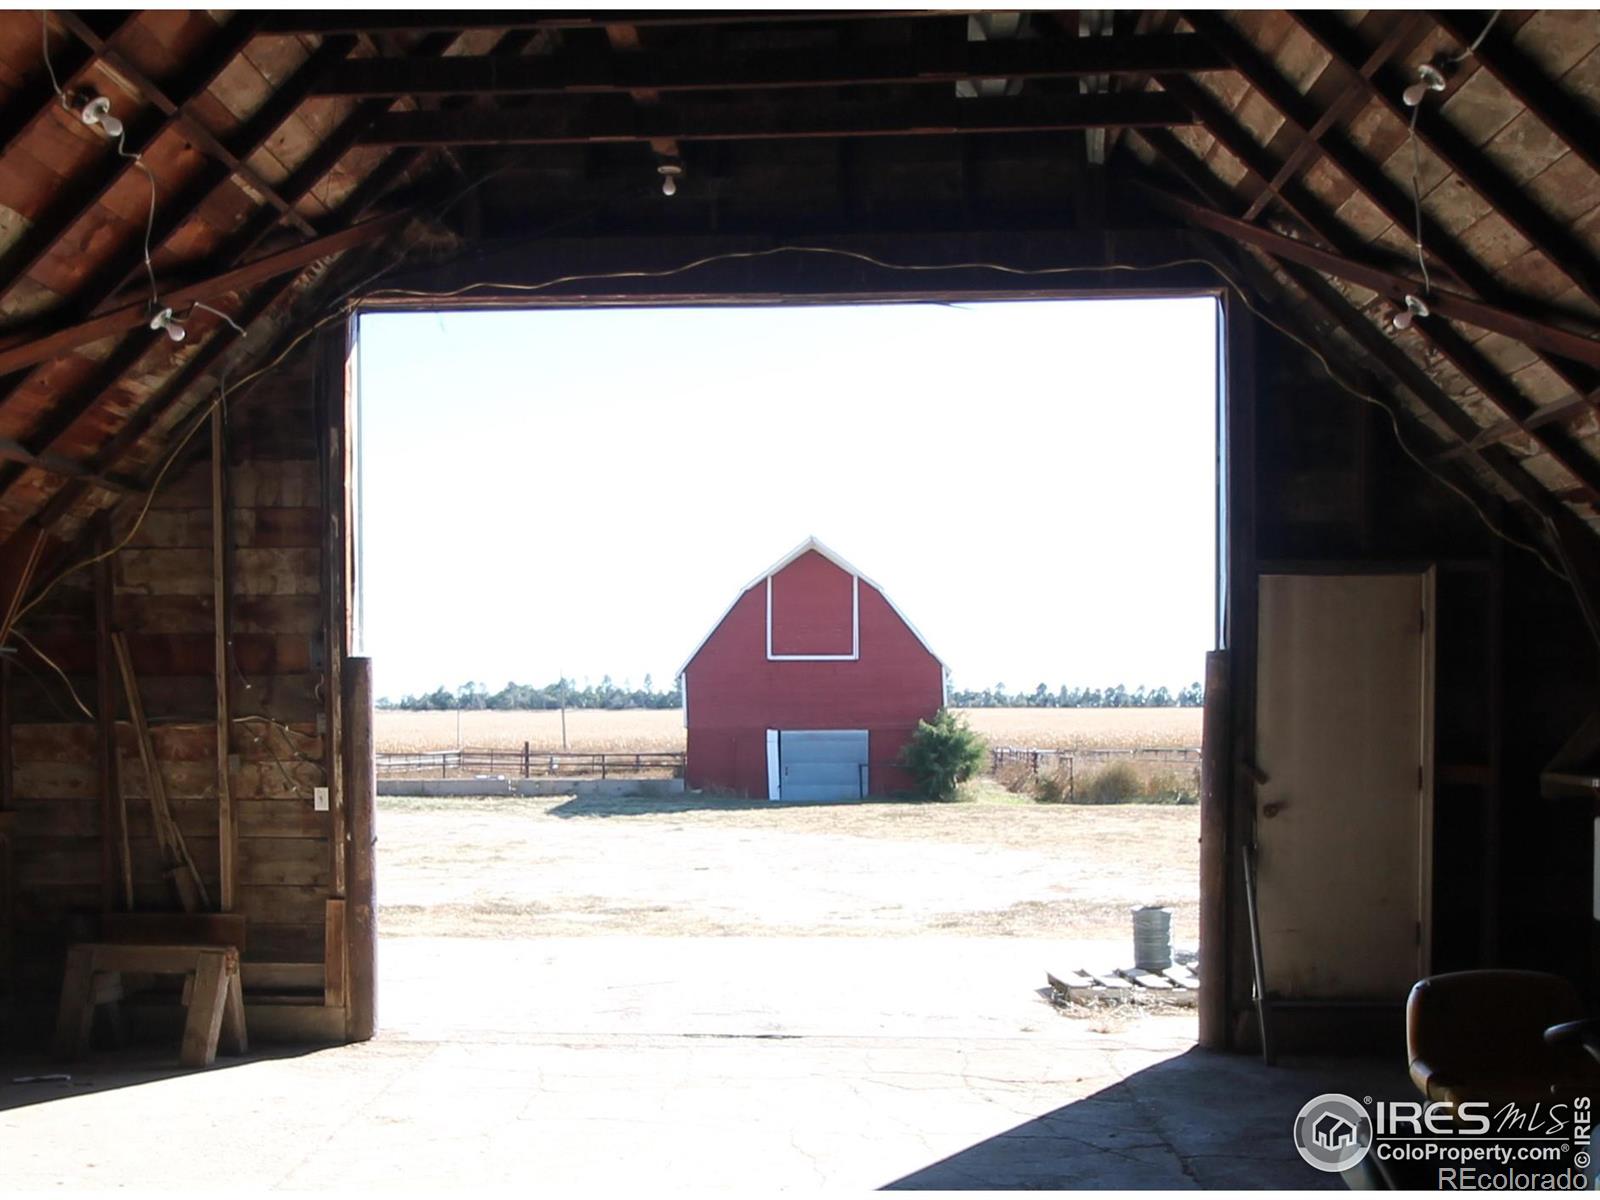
(818, 903)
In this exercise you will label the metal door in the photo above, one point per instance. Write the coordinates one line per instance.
(822, 764)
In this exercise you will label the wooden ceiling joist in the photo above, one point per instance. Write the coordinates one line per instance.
(1563, 115)
(314, 21)
(1459, 156)
(598, 122)
(71, 64)
(203, 137)
(935, 63)
(1395, 288)
(74, 201)
(64, 340)
(1400, 36)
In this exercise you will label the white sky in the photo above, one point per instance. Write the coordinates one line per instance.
(586, 491)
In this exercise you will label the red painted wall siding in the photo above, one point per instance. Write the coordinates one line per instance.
(812, 608)
(736, 694)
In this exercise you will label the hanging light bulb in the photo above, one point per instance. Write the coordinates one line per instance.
(97, 112)
(670, 174)
(1429, 79)
(165, 321)
(1414, 308)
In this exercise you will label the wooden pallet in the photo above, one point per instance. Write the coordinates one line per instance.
(1175, 985)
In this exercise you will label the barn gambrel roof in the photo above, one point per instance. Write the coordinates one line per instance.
(809, 545)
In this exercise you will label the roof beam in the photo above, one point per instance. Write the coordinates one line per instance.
(602, 122)
(1562, 447)
(1402, 34)
(439, 20)
(1563, 114)
(1339, 309)
(71, 63)
(1394, 287)
(947, 62)
(73, 201)
(203, 137)
(1460, 156)
(33, 350)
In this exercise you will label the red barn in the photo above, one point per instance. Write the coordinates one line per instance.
(808, 686)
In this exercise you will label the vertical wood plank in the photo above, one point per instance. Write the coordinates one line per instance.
(1215, 744)
(113, 810)
(227, 826)
(1237, 543)
(331, 394)
(361, 793)
(334, 992)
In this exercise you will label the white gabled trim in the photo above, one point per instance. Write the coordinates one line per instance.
(855, 629)
(811, 543)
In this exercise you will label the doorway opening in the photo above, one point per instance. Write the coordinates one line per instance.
(555, 506)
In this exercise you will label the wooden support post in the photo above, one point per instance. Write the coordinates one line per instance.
(115, 857)
(335, 993)
(361, 797)
(1216, 743)
(331, 392)
(227, 826)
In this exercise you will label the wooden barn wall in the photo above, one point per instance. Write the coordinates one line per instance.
(1333, 489)
(161, 587)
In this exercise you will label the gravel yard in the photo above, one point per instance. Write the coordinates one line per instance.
(530, 868)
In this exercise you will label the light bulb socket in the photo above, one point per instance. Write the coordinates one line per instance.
(168, 324)
(1430, 78)
(670, 173)
(1415, 307)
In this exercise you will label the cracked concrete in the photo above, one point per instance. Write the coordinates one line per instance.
(722, 1064)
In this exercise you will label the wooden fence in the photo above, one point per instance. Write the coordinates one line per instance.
(528, 763)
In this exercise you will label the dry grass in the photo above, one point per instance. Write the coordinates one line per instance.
(662, 729)
(1087, 728)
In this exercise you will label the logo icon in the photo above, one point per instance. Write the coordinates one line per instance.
(1333, 1132)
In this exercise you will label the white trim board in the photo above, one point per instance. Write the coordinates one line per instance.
(811, 543)
(855, 630)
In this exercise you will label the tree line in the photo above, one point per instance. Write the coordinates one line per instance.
(562, 693)
(606, 694)
(1116, 696)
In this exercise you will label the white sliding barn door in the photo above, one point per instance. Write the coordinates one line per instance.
(1344, 717)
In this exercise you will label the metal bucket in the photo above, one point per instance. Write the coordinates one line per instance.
(1152, 938)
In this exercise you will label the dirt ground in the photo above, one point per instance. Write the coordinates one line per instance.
(528, 868)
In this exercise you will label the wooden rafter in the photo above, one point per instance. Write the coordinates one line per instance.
(74, 200)
(38, 99)
(1400, 36)
(203, 137)
(1564, 115)
(943, 62)
(64, 340)
(1338, 309)
(426, 21)
(1395, 287)
(1298, 115)
(1460, 156)
(601, 122)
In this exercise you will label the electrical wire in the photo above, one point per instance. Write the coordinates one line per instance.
(1477, 41)
(54, 666)
(122, 150)
(1416, 152)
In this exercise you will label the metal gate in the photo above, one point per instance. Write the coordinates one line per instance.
(822, 765)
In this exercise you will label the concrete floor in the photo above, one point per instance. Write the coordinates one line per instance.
(708, 1063)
